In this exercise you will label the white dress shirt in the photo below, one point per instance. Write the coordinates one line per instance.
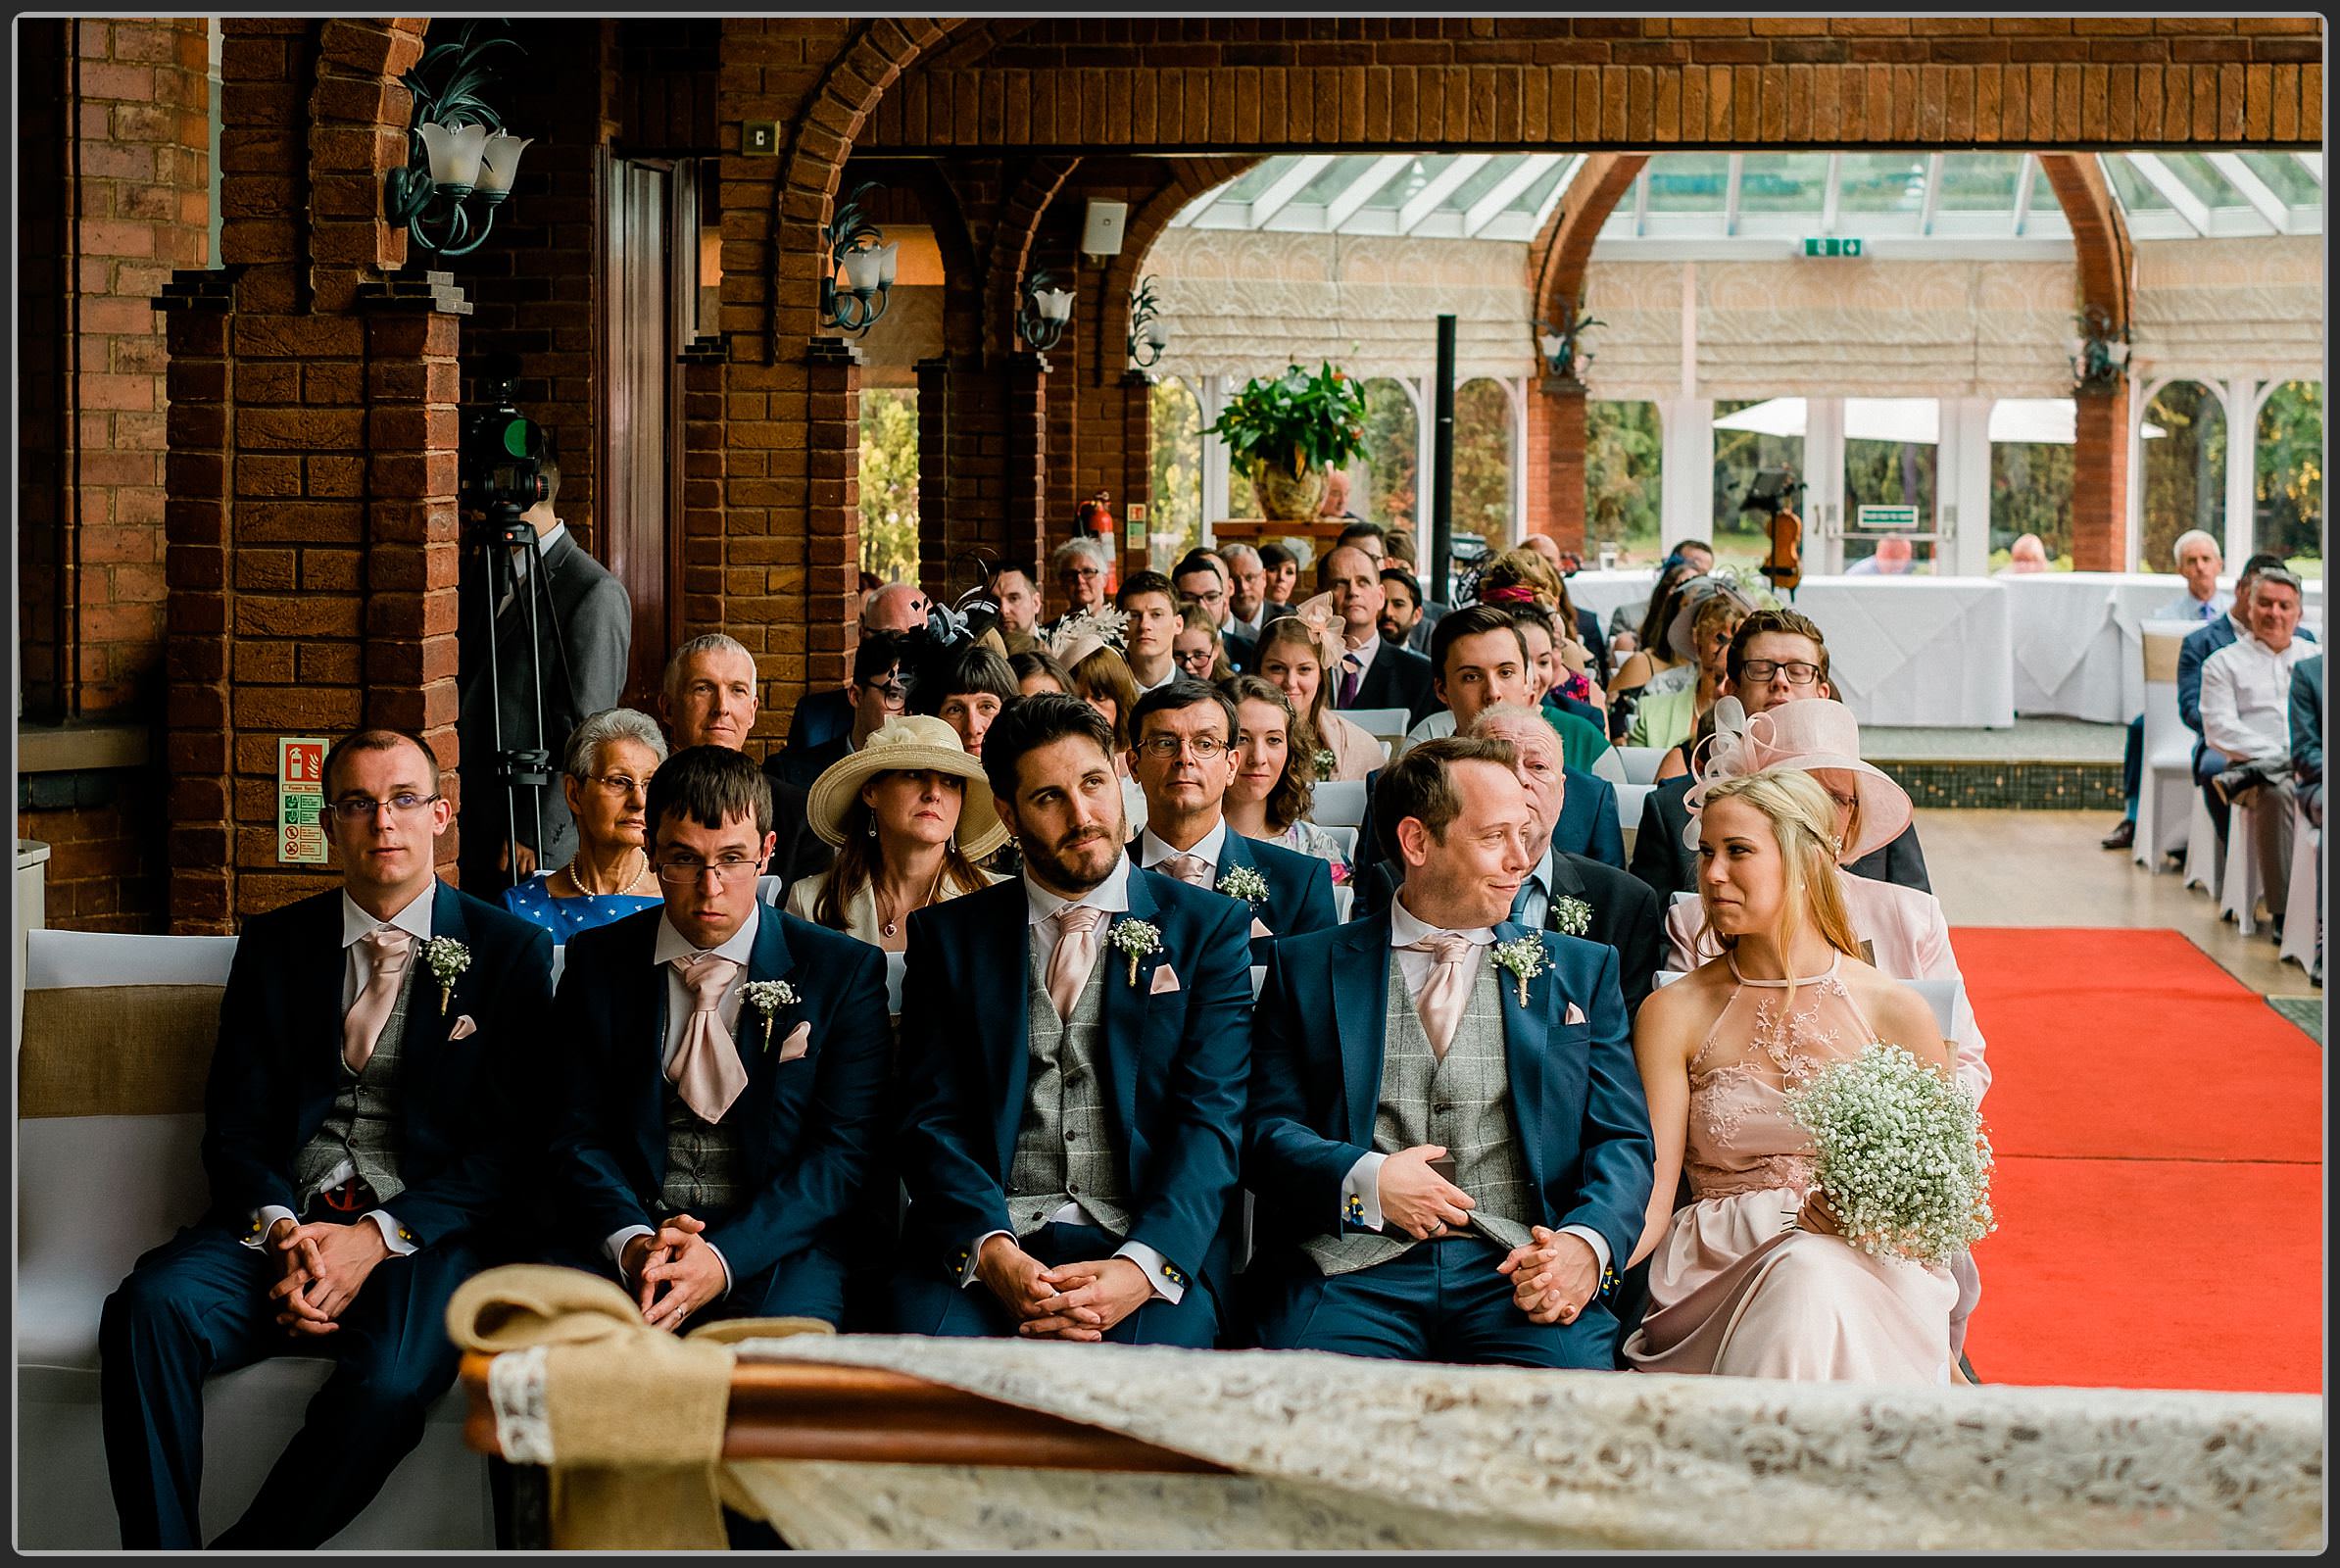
(1363, 1182)
(1170, 673)
(739, 947)
(1112, 896)
(1152, 850)
(357, 968)
(2246, 696)
(1536, 901)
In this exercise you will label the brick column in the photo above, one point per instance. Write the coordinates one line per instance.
(2100, 478)
(1556, 461)
(412, 564)
(833, 543)
(1136, 461)
(1026, 529)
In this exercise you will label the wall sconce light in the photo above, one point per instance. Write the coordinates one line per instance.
(1563, 354)
(860, 277)
(1046, 308)
(458, 151)
(1147, 337)
(2094, 367)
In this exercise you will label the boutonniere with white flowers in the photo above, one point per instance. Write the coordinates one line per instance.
(769, 996)
(1326, 762)
(446, 958)
(1135, 939)
(1246, 883)
(1571, 916)
(1525, 957)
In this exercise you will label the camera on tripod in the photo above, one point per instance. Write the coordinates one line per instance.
(501, 463)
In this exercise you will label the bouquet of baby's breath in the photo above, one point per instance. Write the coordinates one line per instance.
(1902, 1156)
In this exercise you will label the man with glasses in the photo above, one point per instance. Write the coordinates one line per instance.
(357, 1117)
(1202, 579)
(1181, 754)
(1246, 591)
(883, 677)
(715, 1176)
(1778, 656)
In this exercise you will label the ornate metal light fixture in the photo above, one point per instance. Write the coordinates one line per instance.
(2094, 366)
(458, 151)
(1563, 355)
(1148, 336)
(860, 276)
(1046, 310)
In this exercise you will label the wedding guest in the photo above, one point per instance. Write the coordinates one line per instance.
(1150, 605)
(1041, 1204)
(1580, 724)
(1372, 672)
(2198, 649)
(1102, 680)
(1039, 672)
(1183, 753)
(2246, 723)
(605, 780)
(715, 1177)
(709, 697)
(1019, 596)
(1730, 1290)
(1656, 659)
(1079, 565)
(822, 715)
(2199, 562)
(2307, 735)
(1777, 655)
(1197, 648)
(1202, 580)
(965, 685)
(1893, 556)
(1448, 1142)
(1667, 719)
(355, 1143)
(1274, 791)
(1523, 578)
(1247, 592)
(1632, 620)
(910, 817)
(884, 667)
(1403, 620)
(1280, 579)
(1478, 656)
(1294, 653)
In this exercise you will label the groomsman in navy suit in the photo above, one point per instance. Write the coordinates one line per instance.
(1075, 1044)
(1181, 754)
(1448, 1141)
(355, 1137)
(724, 1070)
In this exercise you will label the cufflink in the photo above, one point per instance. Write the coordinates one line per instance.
(1608, 1282)
(404, 1235)
(1170, 1272)
(255, 1229)
(1354, 1208)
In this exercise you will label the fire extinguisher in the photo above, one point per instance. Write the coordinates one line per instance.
(1093, 518)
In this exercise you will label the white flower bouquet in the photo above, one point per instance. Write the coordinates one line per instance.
(1902, 1158)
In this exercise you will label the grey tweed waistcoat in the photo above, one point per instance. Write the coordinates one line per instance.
(1064, 1144)
(703, 1157)
(1462, 1103)
(362, 1126)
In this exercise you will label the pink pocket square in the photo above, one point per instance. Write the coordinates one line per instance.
(462, 1026)
(1575, 1015)
(799, 1039)
(1163, 980)
(1259, 927)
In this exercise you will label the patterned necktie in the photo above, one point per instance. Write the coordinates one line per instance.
(1352, 675)
(707, 1071)
(1191, 869)
(389, 950)
(1075, 955)
(1447, 991)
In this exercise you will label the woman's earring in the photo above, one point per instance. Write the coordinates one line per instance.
(873, 827)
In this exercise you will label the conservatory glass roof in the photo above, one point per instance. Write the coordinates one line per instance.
(1908, 200)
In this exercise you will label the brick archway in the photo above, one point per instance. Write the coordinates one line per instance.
(1194, 179)
(1013, 237)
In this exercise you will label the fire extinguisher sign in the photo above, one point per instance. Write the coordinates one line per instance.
(300, 801)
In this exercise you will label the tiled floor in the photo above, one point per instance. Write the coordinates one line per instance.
(2015, 869)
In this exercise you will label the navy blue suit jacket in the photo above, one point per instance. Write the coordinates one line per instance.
(1173, 1075)
(1299, 889)
(1317, 1047)
(1587, 824)
(808, 1128)
(276, 1068)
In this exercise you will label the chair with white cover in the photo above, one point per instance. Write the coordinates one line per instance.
(1628, 804)
(1343, 897)
(2205, 856)
(2165, 786)
(1609, 765)
(117, 1045)
(1382, 723)
(1640, 762)
(2240, 885)
(2303, 907)
(1338, 803)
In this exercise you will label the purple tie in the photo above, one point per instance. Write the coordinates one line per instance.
(1352, 674)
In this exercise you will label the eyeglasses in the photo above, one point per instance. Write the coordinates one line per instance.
(895, 691)
(357, 808)
(619, 784)
(1194, 659)
(1166, 747)
(686, 873)
(1797, 672)
(1081, 571)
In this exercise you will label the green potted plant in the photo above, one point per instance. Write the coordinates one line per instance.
(1291, 432)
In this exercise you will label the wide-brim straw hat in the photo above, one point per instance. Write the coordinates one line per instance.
(1809, 735)
(913, 744)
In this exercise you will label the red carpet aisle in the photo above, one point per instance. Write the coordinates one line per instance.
(2160, 1187)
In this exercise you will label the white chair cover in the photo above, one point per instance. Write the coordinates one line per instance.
(1640, 762)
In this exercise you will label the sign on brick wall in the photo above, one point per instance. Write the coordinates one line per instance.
(300, 801)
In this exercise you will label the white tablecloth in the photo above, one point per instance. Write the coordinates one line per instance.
(2077, 644)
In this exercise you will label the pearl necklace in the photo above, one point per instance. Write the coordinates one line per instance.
(570, 871)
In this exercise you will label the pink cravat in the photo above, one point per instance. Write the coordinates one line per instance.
(1075, 955)
(1447, 991)
(1191, 869)
(706, 1070)
(389, 949)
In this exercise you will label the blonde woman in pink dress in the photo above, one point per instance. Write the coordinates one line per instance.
(1750, 1280)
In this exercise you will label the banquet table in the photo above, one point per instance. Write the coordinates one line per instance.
(2078, 644)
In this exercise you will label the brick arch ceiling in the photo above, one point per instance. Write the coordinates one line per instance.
(1013, 239)
(1563, 251)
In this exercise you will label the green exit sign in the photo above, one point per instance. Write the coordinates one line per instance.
(1831, 247)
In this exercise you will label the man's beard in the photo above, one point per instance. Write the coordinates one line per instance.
(1078, 868)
